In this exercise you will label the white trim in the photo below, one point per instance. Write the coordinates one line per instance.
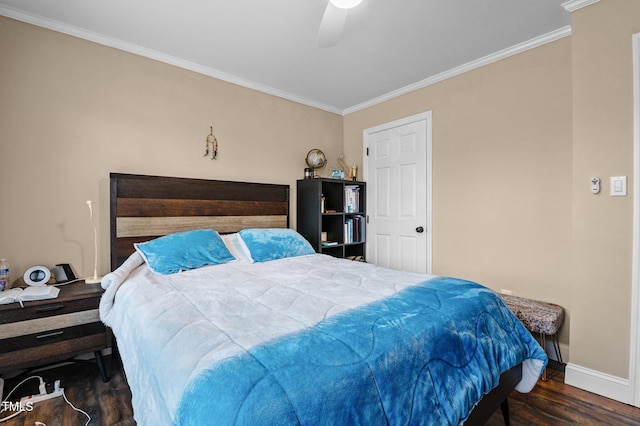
(220, 75)
(494, 57)
(573, 5)
(634, 370)
(158, 56)
(424, 116)
(596, 382)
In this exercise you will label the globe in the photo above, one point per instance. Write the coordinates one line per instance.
(316, 159)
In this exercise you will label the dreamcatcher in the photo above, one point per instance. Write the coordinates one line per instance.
(211, 140)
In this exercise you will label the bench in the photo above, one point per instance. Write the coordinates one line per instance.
(542, 318)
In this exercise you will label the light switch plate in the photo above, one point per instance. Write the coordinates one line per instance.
(618, 186)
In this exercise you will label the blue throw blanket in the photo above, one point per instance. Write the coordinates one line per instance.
(424, 356)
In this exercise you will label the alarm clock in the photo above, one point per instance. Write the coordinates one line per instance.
(37, 275)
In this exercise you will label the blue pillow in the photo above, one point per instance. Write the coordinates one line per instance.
(183, 251)
(274, 243)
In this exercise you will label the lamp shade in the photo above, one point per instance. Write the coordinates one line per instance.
(345, 4)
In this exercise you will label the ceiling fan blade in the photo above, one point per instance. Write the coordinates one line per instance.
(331, 26)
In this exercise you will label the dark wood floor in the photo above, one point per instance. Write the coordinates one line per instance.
(553, 403)
(550, 403)
(108, 403)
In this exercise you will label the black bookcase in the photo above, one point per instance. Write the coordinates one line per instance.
(337, 208)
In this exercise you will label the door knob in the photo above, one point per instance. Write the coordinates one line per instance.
(419, 229)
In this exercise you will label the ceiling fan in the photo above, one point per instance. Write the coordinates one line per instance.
(333, 20)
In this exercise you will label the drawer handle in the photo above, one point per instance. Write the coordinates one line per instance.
(50, 308)
(45, 336)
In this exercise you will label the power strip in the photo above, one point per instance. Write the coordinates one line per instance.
(32, 399)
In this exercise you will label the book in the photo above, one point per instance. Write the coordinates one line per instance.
(351, 198)
(329, 243)
(30, 293)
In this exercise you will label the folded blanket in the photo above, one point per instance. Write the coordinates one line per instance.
(112, 281)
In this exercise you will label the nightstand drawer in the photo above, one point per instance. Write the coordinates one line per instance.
(50, 337)
(52, 346)
(51, 308)
(42, 325)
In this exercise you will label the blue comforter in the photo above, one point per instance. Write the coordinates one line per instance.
(425, 355)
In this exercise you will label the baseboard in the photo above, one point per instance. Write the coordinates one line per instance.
(596, 382)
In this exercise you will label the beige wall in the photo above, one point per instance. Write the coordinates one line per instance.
(602, 146)
(501, 171)
(72, 111)
(514, 146)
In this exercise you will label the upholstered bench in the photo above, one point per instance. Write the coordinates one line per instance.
(538, 317)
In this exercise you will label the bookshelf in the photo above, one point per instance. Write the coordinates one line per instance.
(335, 209)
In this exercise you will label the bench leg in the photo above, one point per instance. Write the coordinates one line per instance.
(556, 347)
(543, 343)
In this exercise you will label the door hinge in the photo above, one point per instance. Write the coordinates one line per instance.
(367, 151)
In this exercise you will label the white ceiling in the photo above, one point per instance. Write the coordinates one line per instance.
(388, 46)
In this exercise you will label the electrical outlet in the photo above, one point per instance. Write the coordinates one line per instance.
(505, 291)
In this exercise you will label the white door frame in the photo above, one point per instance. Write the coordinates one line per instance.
(634, 370)
(424, 116)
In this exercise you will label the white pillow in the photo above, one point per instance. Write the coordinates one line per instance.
(236, 246)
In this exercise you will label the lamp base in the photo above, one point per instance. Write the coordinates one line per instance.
(92, 280)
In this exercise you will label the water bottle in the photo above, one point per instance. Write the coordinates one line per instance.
(4, 275)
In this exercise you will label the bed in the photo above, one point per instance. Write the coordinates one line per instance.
(276, 334)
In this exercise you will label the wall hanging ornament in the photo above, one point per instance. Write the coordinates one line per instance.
(211, 140)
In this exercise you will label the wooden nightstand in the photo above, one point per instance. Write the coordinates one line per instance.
(48, 331)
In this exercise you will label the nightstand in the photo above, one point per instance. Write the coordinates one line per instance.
(54, 330)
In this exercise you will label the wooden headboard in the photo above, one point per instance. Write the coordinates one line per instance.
(146, 207)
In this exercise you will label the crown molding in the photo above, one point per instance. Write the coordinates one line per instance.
(158, 56)
(573, 5)
(514, 50)
(220, 75)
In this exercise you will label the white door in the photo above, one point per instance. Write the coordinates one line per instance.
(397, 169)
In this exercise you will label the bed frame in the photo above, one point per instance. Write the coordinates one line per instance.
(146, 207)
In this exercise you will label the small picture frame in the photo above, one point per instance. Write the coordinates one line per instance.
(337, 174)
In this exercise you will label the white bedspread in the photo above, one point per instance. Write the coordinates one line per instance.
(219, 311)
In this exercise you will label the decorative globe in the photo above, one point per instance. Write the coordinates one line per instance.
(316, 159)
